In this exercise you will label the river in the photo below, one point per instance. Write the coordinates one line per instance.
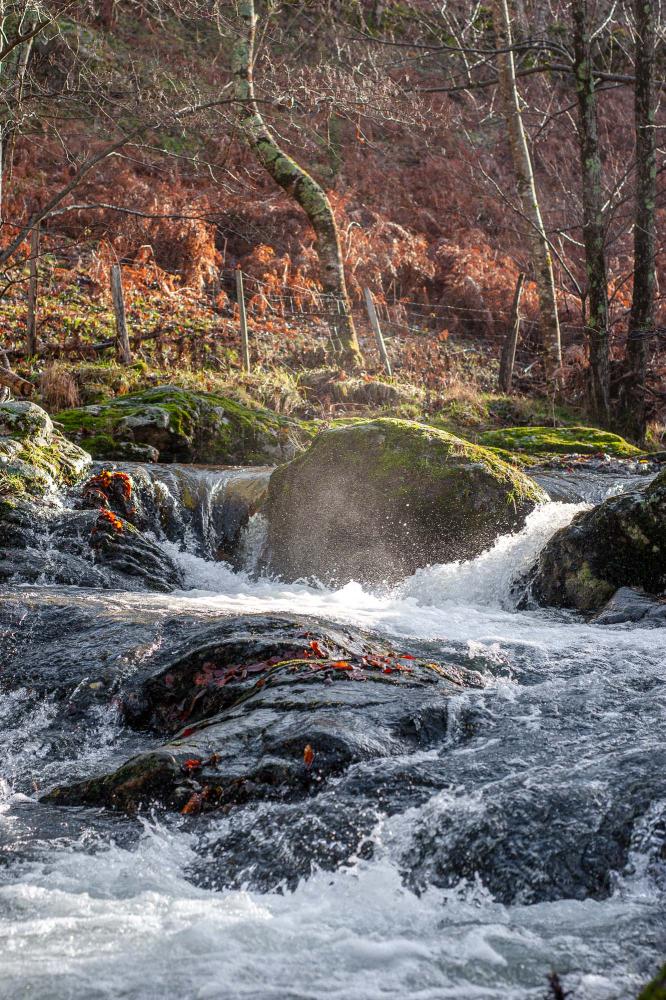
(531, 838)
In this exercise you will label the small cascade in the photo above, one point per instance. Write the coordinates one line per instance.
(71, 541)
(202, 509)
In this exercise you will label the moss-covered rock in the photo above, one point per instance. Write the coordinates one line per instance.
(375, 500)
(183, 426)
(656, 989)
(34, 458)
(621, 543)
(559, 441)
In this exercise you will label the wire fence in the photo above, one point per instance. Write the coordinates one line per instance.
(389, 332)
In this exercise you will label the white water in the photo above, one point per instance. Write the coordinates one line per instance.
(93, 918)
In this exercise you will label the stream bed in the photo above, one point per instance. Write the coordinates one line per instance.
(530, 838)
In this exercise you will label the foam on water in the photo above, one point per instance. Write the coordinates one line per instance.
(129, 924)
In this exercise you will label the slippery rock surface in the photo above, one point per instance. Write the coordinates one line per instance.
(620, 543)
(172, 424)
(273, 707)
(630, 605)
(374, 500)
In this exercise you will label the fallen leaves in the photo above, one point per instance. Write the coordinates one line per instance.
(308, 756)
(107, 516)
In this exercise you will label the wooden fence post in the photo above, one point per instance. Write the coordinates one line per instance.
(374, 323)
(509, 349)
(245, 346)
(123, 352)
(31, 320)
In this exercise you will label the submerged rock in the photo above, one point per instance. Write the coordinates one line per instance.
(373, 501)
(181, 425)
(620, 543)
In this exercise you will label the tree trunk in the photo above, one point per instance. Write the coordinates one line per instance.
(293, 179)
(526, 187)
(593, 221)
(641, 321)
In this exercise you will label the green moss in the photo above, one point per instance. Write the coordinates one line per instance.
(559, 440)
(410, 450)
(184, 425)
(655, 990)
(585, 590)
(34, 458)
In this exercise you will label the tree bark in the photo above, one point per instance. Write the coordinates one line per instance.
(298, 183)
(596, 321)
(526, 188)
(641, 321)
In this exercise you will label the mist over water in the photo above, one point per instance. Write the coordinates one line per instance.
(542, 777)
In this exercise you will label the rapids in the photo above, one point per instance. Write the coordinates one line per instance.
(532, 839)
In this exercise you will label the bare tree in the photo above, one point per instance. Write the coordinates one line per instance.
(641, 321)
(593, 216)
(526, 187)
(298, 183)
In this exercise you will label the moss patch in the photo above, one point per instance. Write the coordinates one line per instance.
(34, 459)
(655, 990)
(185, 426)
(559, 440)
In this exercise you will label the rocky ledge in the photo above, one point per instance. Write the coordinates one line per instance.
(171, 424)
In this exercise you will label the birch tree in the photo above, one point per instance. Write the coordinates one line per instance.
(300, 185)
(526, 188)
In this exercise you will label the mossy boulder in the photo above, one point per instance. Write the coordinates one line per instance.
(375, 500)
(620, 543)
(559, 441)
(180, 425)
(34, 459)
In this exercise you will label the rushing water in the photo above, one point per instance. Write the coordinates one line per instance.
(548, 798)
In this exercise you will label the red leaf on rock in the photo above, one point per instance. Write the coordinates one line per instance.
(193, 764)
(193, 804)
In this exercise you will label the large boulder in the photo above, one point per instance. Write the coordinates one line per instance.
(173, 424)
(373, 501)
(620, 543)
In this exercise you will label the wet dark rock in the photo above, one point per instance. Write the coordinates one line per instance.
(271, 711)
(373, 501)
(620, 543)
(537, 842)
(77, 548)
(630, 605)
